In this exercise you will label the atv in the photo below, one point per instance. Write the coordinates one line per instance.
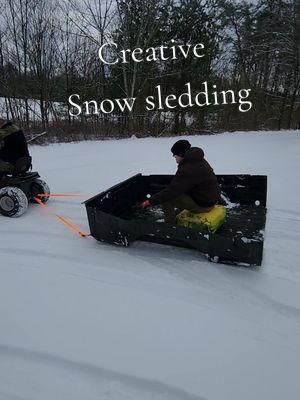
(19, 188)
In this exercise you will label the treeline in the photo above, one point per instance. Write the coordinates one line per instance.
(49, 50)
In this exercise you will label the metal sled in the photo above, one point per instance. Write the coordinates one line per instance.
(114, 218)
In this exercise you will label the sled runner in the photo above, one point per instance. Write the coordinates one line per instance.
(114, 218)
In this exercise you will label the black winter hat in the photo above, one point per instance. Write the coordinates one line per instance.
(180, 147)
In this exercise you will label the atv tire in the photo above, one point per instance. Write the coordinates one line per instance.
(13, 202)
(40, 187)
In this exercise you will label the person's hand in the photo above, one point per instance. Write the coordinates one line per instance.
(144, 204)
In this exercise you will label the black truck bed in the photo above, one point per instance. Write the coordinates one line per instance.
(114, 218)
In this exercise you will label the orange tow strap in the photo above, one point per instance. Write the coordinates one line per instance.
(62, 219)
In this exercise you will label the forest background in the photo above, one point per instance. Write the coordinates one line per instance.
(49, 49)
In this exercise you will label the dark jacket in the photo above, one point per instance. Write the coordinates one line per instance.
(13, 143)
(194, 177)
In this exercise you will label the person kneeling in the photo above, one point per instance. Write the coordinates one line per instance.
(194, 187)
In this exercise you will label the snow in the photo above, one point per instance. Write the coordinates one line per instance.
(85, 320)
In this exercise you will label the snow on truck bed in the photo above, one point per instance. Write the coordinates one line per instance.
(82, 320)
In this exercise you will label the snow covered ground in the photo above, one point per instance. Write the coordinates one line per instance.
(82, 320)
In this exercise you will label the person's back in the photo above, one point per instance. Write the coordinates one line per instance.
(13, 145)
(199, 177)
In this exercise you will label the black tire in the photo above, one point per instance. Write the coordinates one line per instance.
(13, 202)
(40, 187)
